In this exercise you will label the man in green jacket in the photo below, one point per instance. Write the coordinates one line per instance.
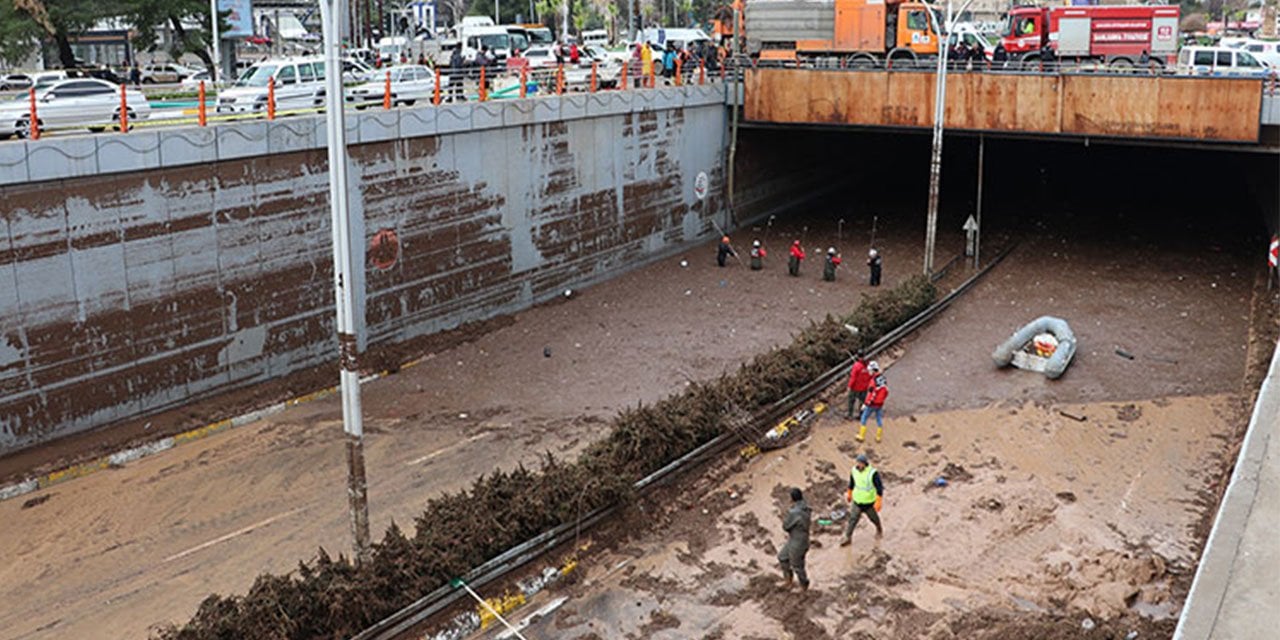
(796, 524)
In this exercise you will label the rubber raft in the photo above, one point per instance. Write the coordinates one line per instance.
(1028, 349)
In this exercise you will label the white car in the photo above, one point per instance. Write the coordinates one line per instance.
(76, 103)
(15, 81)
(1268, 51)
(409, 84)
(193, 81)
(299, 84)
(168, 73)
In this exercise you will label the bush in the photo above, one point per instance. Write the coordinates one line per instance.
(331, 598)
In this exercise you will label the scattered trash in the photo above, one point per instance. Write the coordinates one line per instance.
(1132, 635)
(684, 263)
(462, 416)
(568, 293)
(1072, 416)
(688, 292)
(1124, 354)
(1087, 624)
(546, 352)
(940, 482)
(823, 522)
(37, 501)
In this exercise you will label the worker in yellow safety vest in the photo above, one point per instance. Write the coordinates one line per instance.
(865, 495)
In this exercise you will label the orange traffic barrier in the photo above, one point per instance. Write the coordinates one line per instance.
(524, 79)
(560, 79)
(271, 99)
(679, 71)
(593, 76)
(484, 95)
(653, 76)
(35, 122)
(124, 109)
(622, 79)
(435, 98)
(203, 115)
(702, 72)
(386, 92)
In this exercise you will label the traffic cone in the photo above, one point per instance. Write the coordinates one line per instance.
(862, 433)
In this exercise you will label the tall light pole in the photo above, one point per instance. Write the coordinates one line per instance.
(344, 275)
(217, 43)
(939, 120)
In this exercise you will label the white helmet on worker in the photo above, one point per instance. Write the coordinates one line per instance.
(755, 243)
(872, 253)
(831, 251)
(873, 366)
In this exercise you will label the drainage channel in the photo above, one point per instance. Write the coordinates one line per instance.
(417, 614)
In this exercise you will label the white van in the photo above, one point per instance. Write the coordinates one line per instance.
(595, 37)
(681, 37)
(1220, 61)
(497, 39)
(1268, 51)
(299, 84)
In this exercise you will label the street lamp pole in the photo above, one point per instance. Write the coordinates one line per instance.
(939, 121)
(344, 278)
(217, 43)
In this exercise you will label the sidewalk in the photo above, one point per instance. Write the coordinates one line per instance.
(1236, 586)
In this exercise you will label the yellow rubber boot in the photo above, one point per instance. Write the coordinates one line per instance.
(879, 432)
(862, 433)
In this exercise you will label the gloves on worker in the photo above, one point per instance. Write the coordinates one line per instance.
(848, 495)
(879, 502)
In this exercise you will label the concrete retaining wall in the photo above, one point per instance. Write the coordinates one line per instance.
(150, 268)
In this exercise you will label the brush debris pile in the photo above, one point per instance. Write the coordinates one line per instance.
(337, 598)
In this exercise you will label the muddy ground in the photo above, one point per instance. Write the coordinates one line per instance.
(1074, 508)
(110, 555)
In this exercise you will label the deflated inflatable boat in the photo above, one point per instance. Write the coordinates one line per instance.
(1045, 345)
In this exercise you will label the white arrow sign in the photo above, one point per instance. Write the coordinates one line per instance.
(970, 225)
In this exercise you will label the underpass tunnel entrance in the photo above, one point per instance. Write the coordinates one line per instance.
(1178, 199)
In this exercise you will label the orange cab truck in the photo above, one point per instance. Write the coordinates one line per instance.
(841, 32)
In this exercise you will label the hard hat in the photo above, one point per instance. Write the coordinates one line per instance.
(796, 243)
(862, 457)
(873, 366)
(872, 253)
(755, 243)
(831, 250)
(725, 239)
(880, 381)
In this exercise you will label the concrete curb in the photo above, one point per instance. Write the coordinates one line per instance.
(131, 454)
(1204, 603)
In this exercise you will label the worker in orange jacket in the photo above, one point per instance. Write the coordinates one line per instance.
(793, 263)
(876, 395)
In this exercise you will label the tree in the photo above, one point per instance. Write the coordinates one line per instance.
(60, 21)
(19, 34)
(148, 16)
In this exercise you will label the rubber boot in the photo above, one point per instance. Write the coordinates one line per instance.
(862, 433)
(879, 432)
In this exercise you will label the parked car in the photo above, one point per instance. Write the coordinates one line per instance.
(78, 102)
(1268, 51)
(168, 73)
(193, 81)
(299, 84)
(409, 84)
(1220, 61)
(15, 81)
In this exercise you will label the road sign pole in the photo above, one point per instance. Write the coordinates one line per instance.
(977, 240)
(217, 44)
(344, 279)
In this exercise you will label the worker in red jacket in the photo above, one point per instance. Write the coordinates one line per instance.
(793, 263)
(876, 395)
(829, 269)
(859, 382)
(758, 254)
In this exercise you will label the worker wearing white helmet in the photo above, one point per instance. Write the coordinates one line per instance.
(757, 255)
(875, 264)
(829, 269)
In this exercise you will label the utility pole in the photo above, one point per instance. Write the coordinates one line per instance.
(939, 120)
(977, 233)
(344, 275)
(215, 73)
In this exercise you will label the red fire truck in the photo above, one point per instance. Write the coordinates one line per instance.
(1116, 35)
